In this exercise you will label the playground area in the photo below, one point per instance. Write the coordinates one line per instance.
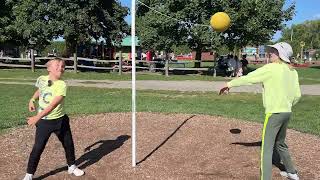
(161, 90)
(169, 146)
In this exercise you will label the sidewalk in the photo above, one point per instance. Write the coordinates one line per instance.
(203, 86)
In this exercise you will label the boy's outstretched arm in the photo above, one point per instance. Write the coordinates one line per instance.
(257, 76)
(89, 147)
(55, 102)
(35, 96)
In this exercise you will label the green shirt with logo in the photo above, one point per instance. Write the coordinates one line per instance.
(47, 91)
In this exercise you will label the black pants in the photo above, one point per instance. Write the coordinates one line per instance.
(44, 128)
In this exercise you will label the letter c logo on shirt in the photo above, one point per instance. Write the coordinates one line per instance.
(45, 96)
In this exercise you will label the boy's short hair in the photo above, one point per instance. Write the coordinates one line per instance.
(54, 59)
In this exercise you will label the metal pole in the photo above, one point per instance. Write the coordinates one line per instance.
(133, 52)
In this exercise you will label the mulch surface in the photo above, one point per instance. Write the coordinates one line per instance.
(169, 146)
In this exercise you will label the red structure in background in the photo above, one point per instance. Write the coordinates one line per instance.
(205, 56)
(301, 65)
(184, 57)
(149, 56)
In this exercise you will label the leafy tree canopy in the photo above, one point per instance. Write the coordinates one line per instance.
(76, 20)
(308, 32)
(186, 22)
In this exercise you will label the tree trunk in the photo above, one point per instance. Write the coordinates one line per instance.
(198, 58)
(120, 62)
(75, 62)
(166, 63)
(240, 54)
(102, 50)
(32, 60)
(71, 45)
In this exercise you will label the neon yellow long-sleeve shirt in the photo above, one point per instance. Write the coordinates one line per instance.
(281, 88)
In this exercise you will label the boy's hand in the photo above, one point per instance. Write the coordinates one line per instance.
(32, 107)
(33, 120)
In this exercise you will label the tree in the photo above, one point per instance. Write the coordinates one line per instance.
(176, 22)
(254, 21)
(182, 49)
(4, 20)
(7, 33)
(308, 32)
(76, 21)
(187, 22)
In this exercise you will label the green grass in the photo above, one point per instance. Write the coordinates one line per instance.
(27, 74)
(191, 64)
(306, 75)
(18, 80)
(80, 100)
(309, 75)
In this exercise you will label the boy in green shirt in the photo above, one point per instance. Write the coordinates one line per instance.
(51, 118)
(281, 91)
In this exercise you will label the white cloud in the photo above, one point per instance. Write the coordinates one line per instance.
(317, 16)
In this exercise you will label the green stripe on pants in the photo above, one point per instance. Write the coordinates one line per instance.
(273, 137)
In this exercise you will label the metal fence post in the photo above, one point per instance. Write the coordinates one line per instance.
(150, 66)
(32, 60)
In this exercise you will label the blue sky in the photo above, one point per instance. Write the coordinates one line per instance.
(305, 10)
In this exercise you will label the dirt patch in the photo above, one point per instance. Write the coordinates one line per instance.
(169, 146)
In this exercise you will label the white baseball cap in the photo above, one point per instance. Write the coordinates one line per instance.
(284, 50)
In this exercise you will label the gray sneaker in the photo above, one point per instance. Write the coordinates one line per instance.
(27, 177)
(289, 175)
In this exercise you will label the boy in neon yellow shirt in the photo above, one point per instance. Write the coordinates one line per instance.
(281, 91)
(51, 118)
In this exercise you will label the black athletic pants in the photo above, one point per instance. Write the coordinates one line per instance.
(44, 128)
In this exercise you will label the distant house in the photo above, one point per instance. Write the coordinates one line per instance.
(205, 55)
(126, 48)
(255, 53)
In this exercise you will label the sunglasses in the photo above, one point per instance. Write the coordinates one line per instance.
(50, 83)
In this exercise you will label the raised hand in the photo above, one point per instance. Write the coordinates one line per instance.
(224, 90)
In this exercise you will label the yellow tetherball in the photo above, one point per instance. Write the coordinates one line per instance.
(220, 21)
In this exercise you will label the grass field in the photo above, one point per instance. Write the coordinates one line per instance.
(27, 74)
(306, 75)
(244, 106)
